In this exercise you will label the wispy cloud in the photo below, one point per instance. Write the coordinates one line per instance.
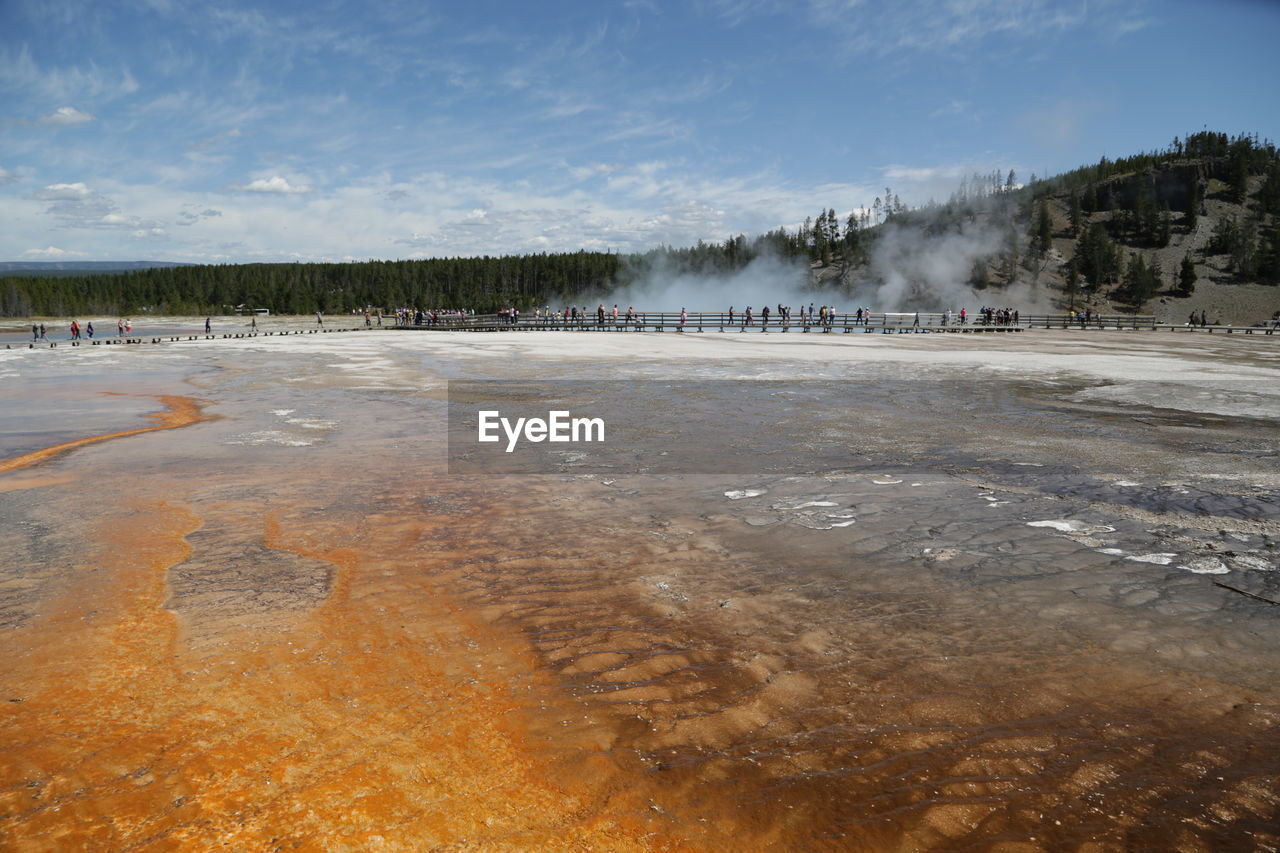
(924, 174)
(188, 217)
(67, 117)
(74, 202)
(52, 253)
(75, 205)
(275, 185)
(953, 107)
(19, 71)
(876, 29)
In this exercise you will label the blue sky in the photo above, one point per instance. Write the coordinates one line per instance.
(225, 132)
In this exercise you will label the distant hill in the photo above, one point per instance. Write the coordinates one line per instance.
(70, 268)
(1192, 227)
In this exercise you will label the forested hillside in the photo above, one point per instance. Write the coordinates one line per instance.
(1143, 233)
(1118, 234)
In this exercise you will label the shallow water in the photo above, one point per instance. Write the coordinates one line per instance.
(290, 625)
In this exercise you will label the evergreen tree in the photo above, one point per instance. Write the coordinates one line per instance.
(1044, 228)
(1011, 244)
(1098, 257)
(978, 278)
(1187, 276)
(1072, 287)
(1139, 284)
(1225, 238)
(1270, 272)
(1245, 259)
(1238, 183)
(852, 239)
(1269, 194)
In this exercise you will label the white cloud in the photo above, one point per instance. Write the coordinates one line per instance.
(76, 205)
(52, 252)
(233, 133)
(274, 184)
(67, 117)
(187, 217)
(55, 192)
(926, 174)
(7, 177)
(73, 204)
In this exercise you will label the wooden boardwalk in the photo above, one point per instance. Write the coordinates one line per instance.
(885, 324)
(712, 322)
(888, 324)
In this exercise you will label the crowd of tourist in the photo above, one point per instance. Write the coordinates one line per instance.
(780, 315)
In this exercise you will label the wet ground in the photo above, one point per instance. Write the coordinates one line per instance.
(968, 599)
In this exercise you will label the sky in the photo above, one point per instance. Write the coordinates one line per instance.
(326, 130)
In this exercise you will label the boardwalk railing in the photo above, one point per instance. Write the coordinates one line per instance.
(888, 323)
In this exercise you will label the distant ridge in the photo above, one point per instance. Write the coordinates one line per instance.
(65, 269)
(61, 267)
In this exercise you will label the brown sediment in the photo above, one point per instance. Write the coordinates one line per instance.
(390, 717)
(878, 718)
(351, 655)
(179, 411)
(422, 704)
(15, 484)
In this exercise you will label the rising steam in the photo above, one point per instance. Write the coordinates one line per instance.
(920, 261)
(659, 285)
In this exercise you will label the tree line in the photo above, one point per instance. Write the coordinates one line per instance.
(484, 284)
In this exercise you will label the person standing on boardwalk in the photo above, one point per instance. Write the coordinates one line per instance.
(35, 332)
(89, 328)
(319, 319)
(120, 328)
(208, 326)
